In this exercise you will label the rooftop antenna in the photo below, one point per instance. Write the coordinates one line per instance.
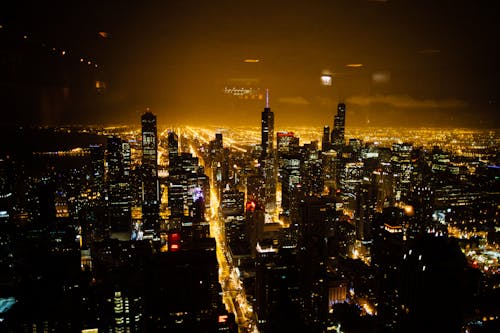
(267, 98)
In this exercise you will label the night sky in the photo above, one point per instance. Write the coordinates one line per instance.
(424, 63)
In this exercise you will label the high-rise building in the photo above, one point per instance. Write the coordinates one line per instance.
(267, 161)
(366, 204)
(286, 142)
(325, 142)
(150, 184)
(219, 164)
(6, 188)
(402, 170)
(311, 169)
(338, 132)
(173, 145)
(277, 293)
(118, 198)
(236, 230)
(188, 196)
(218, 144)
(267, 133)
(312, 256)
(290, 179)
(233, 202)
(386, 252)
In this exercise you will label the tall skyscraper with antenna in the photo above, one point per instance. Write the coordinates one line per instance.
(267, 160)
(267, 129)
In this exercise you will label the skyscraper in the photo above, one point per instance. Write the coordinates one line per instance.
(118, 198)
(267, 133)
(325, 142)
(173, 146)
(338, 132)
(150, 184)
(312, 256)
(267, 161)
(287, 142)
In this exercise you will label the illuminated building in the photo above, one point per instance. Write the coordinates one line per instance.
(355, 145)
(337, 293)
(8, 262)
(382, 176)
(290, 179)
(150, 184)
(232, 202)
(267, 160)
(286, 142)
(402, 170)
(329, 159)
(338, 132)
(204, 186)
(184, 174)
(325, 141)
(6, 189)
(220, 163)
(118, 199)
(127, 312)
(237, 234)
(366, 204)
(236, 230)
(421, 199)
(311, 169)
(188, 190)
(173, 145)
(97, 172)
(352, 176)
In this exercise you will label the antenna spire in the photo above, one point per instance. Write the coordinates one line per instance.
(267, 98)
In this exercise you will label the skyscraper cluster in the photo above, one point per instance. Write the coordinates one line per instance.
(176, 230)
(351, 218)
(90, 245)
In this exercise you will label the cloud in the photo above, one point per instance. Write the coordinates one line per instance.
(405, 101)
(296, 100)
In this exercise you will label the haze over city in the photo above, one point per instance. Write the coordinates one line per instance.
(395, 63)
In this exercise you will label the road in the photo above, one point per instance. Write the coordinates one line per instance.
(233, 292)
(234, 296)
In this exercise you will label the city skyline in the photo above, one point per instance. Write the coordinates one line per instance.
(263, 166)
(298, 231)
(393, 62)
